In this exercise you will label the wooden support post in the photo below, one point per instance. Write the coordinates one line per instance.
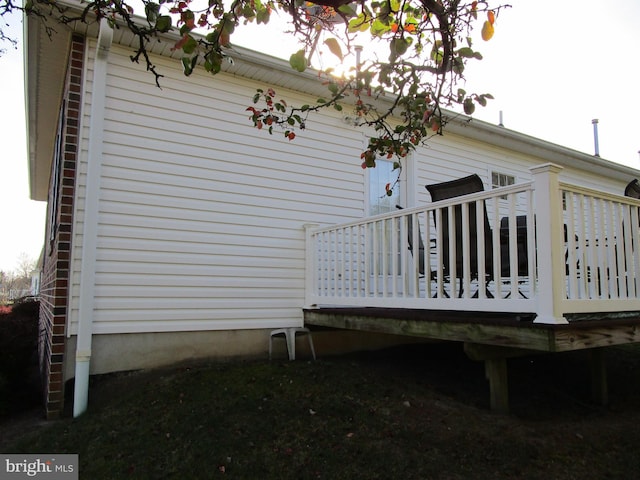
(496, 372)
(599, 388)
(495, 367)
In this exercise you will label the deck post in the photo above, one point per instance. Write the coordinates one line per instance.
(599, 389)
(496, 373)
(495, 370)
(549, 242)
(309, 267)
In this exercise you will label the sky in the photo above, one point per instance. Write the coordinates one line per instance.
(552, 66)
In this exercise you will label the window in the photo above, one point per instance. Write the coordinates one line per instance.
(55, 180)
(502, 180)
(379, 177)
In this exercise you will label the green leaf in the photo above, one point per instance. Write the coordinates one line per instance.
(188, 64)
(298, 61)
(247, 11)
(190, 45)
(334, 47)
(379, 28)
(466, 52)
(458, 65)
(437, 55)
(263, 16)
(359, 24)
(228, 26)
(163, 23)
(347, 10)
(151, 11)
(399, 47)
(469, 106)
(213, 64)
(337, 107)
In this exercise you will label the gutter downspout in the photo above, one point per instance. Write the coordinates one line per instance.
(90, 226)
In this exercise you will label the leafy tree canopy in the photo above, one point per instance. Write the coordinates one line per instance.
(423, 47)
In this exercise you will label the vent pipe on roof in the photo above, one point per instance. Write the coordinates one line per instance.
(595, 137)
(358, 49)
(501, 124)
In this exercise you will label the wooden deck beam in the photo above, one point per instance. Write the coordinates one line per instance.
(499, 329)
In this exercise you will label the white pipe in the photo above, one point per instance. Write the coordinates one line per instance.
(90, 226)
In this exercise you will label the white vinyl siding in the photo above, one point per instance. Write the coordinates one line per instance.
(201, 215)
(452, 156)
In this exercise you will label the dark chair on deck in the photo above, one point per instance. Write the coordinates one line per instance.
(522, 255)
(521, 246)
(633, 189)
(410, 242)
(457, 188)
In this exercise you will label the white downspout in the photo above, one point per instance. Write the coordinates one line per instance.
(90, 226)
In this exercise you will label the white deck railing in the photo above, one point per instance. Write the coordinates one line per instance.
(540, 247)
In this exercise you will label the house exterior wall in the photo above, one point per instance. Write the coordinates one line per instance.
(200, 246)
(201, 216)
(453, 156)
(54, 277)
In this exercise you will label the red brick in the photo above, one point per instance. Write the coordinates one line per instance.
(55, 368)
(55, 283)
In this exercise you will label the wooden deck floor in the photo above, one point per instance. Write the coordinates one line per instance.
(494, 337)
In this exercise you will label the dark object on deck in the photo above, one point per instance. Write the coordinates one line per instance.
(457, 188)
(420, 242)
(632, 189)
(521, 248)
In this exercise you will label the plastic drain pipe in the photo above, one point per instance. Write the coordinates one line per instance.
(90, 227)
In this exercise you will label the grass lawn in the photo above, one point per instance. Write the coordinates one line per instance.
(418, 412)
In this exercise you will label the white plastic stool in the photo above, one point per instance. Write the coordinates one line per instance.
(290, 337)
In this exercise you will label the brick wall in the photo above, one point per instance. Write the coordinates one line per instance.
(55, 267)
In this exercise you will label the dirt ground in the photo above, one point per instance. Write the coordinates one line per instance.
(419, 411)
